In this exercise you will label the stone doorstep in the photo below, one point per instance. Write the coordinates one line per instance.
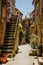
(10, 59)
(35, 62)
(32, 52)
(40, 60)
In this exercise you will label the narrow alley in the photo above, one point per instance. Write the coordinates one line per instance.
(22, 58)
(21, 32)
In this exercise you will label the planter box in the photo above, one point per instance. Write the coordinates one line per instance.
(35, 62)
(40, 60)
(33, 52)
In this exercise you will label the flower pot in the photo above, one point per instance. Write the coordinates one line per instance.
(3, 59)
(33, 47)
(38, 52)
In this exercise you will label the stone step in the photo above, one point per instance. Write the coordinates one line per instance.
(7, 51)
(7, 47)
(33, 52)
(12, 23)
(9, 35)
(9, 44)
(12, 26)
(8, 39)
(10, 31)
(35, 62)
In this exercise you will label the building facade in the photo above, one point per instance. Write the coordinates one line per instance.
(8, 27)
(2, 20)
(38, 4)
(26, 28)
(32, 15)
(19, 13)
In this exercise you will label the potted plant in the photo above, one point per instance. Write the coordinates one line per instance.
(39, 49)
(34, 40)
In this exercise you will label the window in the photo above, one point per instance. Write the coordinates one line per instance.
(17, 12)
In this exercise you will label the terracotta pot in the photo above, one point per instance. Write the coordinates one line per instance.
(3, 60)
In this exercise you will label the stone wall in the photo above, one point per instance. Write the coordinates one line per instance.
(39, 19)
(1, 34)
(2, 25)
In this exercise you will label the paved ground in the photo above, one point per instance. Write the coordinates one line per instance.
(22, 58)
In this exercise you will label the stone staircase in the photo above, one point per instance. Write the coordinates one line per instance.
(9, 38)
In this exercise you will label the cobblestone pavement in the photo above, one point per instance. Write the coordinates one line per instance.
(22, 58)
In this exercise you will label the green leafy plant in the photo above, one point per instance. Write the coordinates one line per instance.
(19, 27)
(32, 25)
(10, 56)
(39, 45)
(34, 40)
